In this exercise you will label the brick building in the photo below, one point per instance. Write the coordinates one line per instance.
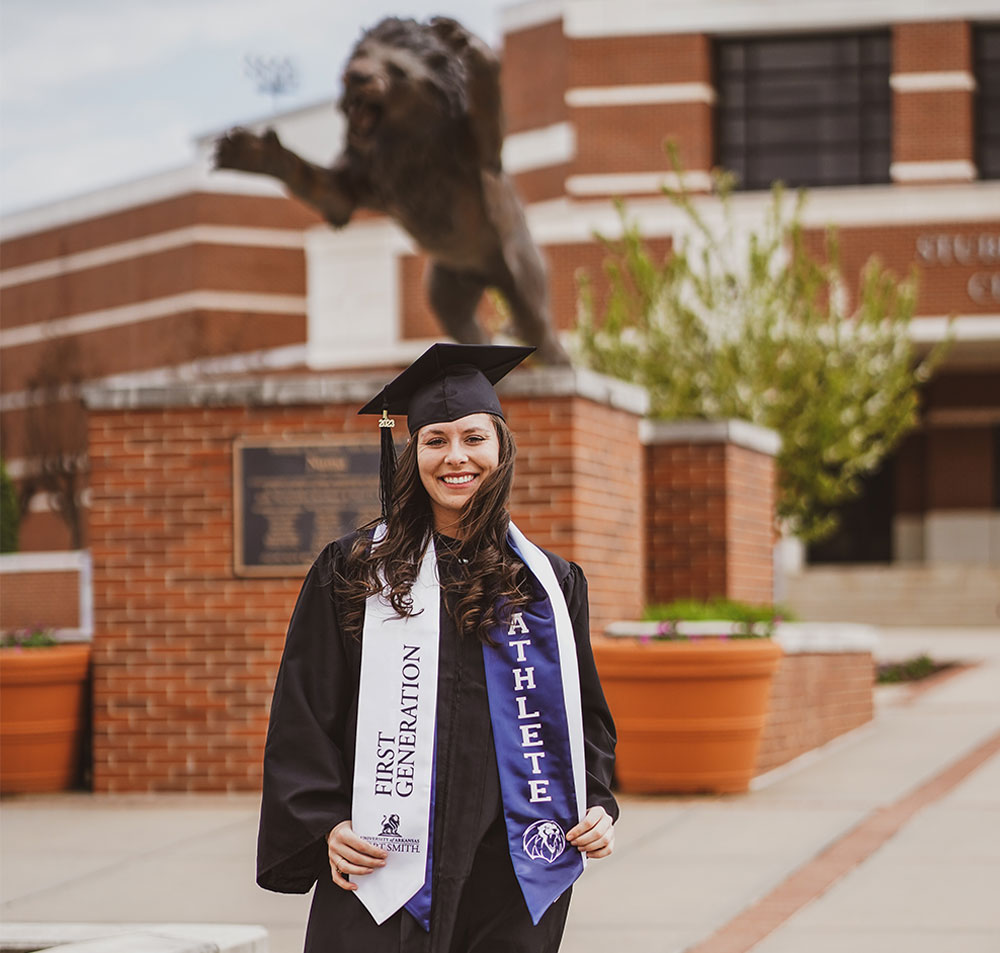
(890, 116)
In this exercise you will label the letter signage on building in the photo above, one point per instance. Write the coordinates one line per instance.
(979, 250)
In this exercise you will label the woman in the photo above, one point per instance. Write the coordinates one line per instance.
(439, 753)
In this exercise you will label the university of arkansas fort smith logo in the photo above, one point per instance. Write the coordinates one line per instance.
(390, 839)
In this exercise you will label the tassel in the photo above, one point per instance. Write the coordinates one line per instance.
(387, 463)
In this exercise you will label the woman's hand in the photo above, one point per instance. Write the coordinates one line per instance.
(350, 855)
(595, 834)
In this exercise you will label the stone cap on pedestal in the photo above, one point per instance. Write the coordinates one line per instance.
(741, 433)
(269, 390)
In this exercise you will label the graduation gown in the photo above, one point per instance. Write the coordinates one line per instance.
(308, 773)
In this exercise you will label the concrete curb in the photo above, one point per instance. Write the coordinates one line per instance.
(133, 937)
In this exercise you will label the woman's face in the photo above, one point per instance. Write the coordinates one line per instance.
(454, 459)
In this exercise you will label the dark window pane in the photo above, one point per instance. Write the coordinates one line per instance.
(792, 128)
(987, 68)
(809, 110)
(733, 130)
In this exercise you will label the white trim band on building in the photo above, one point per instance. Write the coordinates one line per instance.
(630, 183)
(197, 176)
(151, 245)
(593, 18)
(266, 359)
(964, 327)
(955, 170)
(741, 433)
(945, 81)
(150, 310)
(538, 148)
(640, 95)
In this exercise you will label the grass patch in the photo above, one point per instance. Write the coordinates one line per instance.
(911, 670)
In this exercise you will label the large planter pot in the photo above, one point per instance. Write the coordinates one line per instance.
(42, 699)
(689, 713)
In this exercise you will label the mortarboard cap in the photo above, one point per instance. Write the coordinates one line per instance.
(447, 382)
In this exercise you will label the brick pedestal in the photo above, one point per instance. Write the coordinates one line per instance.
(185, 651)
(709, 510)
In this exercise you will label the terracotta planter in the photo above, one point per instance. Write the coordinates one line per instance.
(42, 697)
(689, 714)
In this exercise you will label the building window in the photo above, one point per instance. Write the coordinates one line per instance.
(987, 66)
(808, 110)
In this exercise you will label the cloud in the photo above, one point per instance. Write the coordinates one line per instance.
(65, 43)
(106, 160)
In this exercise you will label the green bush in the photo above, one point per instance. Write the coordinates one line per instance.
(753, 620)
(757, 324)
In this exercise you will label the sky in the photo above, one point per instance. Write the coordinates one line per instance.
(100, 92)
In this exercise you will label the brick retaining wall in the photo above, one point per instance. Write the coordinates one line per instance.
(815, 697)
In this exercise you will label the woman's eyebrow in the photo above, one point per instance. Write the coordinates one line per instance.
(426, 432)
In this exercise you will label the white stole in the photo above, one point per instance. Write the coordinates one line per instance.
(397, 706)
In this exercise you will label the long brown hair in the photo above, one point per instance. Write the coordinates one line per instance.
(486, 580)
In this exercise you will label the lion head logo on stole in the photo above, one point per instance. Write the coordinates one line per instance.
(544, 840)
(390, 825)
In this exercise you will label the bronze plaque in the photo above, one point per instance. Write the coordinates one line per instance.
(291, 497)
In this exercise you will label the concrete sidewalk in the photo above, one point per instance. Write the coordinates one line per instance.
(887, 840)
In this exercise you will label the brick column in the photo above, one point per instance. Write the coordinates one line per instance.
(185, 651)
(579, 484)
(933, 88)
(710, 510)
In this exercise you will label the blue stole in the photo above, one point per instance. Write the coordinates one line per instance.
(540, 779)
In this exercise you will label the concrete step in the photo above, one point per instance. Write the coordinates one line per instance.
(952, 594)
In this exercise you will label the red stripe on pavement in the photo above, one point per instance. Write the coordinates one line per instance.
(819, 874)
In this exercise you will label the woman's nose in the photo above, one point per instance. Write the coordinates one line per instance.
(456, 452)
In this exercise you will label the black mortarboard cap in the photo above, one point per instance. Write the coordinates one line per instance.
(447, 382)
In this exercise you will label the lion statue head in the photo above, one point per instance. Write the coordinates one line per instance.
(401, 75)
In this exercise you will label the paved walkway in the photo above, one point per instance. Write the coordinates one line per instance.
(888, 840)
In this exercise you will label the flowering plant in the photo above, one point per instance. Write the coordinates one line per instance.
(30, 638)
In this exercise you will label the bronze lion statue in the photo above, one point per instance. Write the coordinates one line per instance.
(424, 133)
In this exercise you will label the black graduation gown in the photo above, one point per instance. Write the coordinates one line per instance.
(308, 771)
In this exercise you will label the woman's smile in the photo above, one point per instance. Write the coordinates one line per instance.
(453, 459)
